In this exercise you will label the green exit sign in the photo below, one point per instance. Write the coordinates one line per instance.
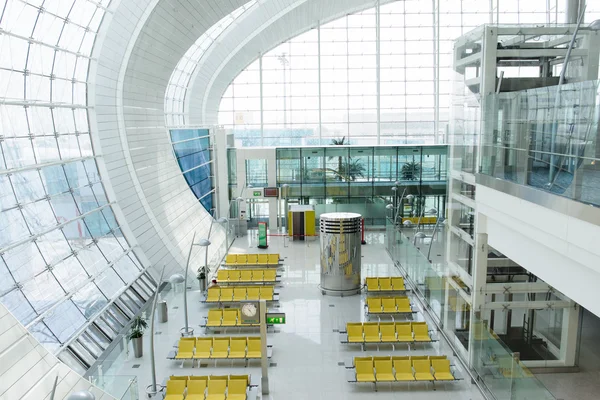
(257, 193)
(275, 318)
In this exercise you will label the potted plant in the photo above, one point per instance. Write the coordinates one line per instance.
(136, 335)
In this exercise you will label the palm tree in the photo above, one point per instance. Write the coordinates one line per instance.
(354, 169)
(339, 142)
(411, 171)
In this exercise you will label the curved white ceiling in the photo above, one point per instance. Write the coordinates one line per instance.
(139, 46)
(260, 29)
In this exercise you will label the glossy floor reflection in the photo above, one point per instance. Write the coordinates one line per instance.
(306, 350)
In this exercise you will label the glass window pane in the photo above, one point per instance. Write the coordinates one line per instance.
(64, 320)
(24, 261)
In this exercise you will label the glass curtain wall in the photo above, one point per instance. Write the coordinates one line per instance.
(364, 179)
(63, 256)
(193, 153)
(331, 82)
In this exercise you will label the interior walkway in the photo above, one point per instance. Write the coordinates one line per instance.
(306, 350)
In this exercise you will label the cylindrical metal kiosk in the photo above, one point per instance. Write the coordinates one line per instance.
(340, 253)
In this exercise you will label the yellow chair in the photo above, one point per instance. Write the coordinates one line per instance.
(364, 371)
(383, 371)
(242, 259)
(246, 275)
(243, 378)
(404, 371)
(185, 348)
(273, 259)
(421, 332)
(230, 317)
(236, 389)
(185, 378)
(388, 332)
(372, 284)
(252, 259)
(404, 332)
(441, 370)
(231, 259)
(258, 275)
(355, 332)
(223, 275)
(398, 283)
(270, 275)
(213, 295)
(263, 259)
(220, 348)
(196, 389)
(253, 293)
(239, 293)
(266, 292)
(216, 389)
(254, 347)
(371, 332)
(203, 347)
(414, 358)
(374, 304)
(385, 284)
(226, 294)
(175, 389)
(422, 370)
(214, 317)
(198, 378)
(237, 347)
(388, 304)
(234, 275)
(403, 305)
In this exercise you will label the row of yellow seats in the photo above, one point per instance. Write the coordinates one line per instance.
(423, 220)
(233, 387)
(246, 275)
(252, 259)
(223, 317)
(379, 305)
(376, 332)
(390, 369)
(218, 347)
(385, 284)
(218, 294)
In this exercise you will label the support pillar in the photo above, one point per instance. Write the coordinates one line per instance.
(264, 360)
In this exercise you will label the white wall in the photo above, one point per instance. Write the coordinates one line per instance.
(563, 251)
(138, 47)
(28, 370)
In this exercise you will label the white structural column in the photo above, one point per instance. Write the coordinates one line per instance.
(221, 173)
(262, 115)
(378, 65)
(319, 80)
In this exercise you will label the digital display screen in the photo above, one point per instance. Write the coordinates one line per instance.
(271, 192)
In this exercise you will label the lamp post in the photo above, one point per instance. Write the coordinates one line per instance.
(81, 395)
(439, 221)
(418, 235)
(223, 221)
(186, 331)
(151, 389)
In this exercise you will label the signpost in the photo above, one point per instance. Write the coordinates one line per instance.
(275, 318)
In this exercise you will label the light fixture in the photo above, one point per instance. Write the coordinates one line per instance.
(389, 207)
(82, 395)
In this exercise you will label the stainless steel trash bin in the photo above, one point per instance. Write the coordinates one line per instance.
(161, 309)
(340, 253)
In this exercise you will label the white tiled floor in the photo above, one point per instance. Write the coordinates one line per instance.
(306, 350)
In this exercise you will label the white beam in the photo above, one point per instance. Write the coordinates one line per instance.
(527, 305)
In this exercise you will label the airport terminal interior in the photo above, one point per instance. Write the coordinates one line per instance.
(299, 199)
